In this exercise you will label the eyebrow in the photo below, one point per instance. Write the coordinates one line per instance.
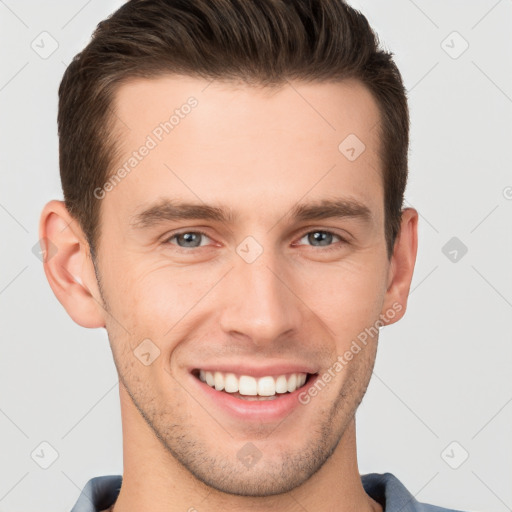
(169, 210)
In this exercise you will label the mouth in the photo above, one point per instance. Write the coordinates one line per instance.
(251, 388)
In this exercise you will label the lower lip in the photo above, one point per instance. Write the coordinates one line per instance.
(254, 410)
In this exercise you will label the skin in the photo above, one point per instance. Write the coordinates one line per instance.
(258, 151)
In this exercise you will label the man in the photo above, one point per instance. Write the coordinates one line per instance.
(233, 175)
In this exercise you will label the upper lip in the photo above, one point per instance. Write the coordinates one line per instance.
(256, 371)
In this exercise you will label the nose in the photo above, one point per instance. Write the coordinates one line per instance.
(258, 301)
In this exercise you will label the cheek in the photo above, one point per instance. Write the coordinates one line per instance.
(157, 303)
(346, 296)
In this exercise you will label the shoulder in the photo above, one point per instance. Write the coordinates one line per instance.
(390, 492)
(98, 494)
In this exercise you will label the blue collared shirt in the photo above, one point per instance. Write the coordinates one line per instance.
(101, 492)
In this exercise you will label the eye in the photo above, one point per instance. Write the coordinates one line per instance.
(187, 239)
(193, 239)
(322, 238)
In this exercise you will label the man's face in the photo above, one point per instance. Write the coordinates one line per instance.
(261, 293)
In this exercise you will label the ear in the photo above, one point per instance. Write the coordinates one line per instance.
(68, 265)
(401, 267)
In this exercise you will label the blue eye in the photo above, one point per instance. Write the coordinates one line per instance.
(190, 239)
(316, 238)
(323, 238)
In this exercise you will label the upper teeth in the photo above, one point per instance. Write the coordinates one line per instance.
(247, 385)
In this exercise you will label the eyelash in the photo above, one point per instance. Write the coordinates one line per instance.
(198, 232)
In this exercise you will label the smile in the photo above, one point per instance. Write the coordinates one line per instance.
(249, 387)
(248, 393)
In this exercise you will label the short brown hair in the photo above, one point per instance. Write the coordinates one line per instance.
(260, 42)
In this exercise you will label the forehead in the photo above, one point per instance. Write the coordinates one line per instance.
(327, 108)
(250, 147)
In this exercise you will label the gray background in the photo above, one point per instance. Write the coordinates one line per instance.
(442, 386)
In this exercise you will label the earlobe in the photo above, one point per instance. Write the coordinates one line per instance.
(68, 265)
(401, 267)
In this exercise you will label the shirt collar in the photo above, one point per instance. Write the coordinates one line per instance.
(101, 492)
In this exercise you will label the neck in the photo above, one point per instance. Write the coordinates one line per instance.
(154, 480)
